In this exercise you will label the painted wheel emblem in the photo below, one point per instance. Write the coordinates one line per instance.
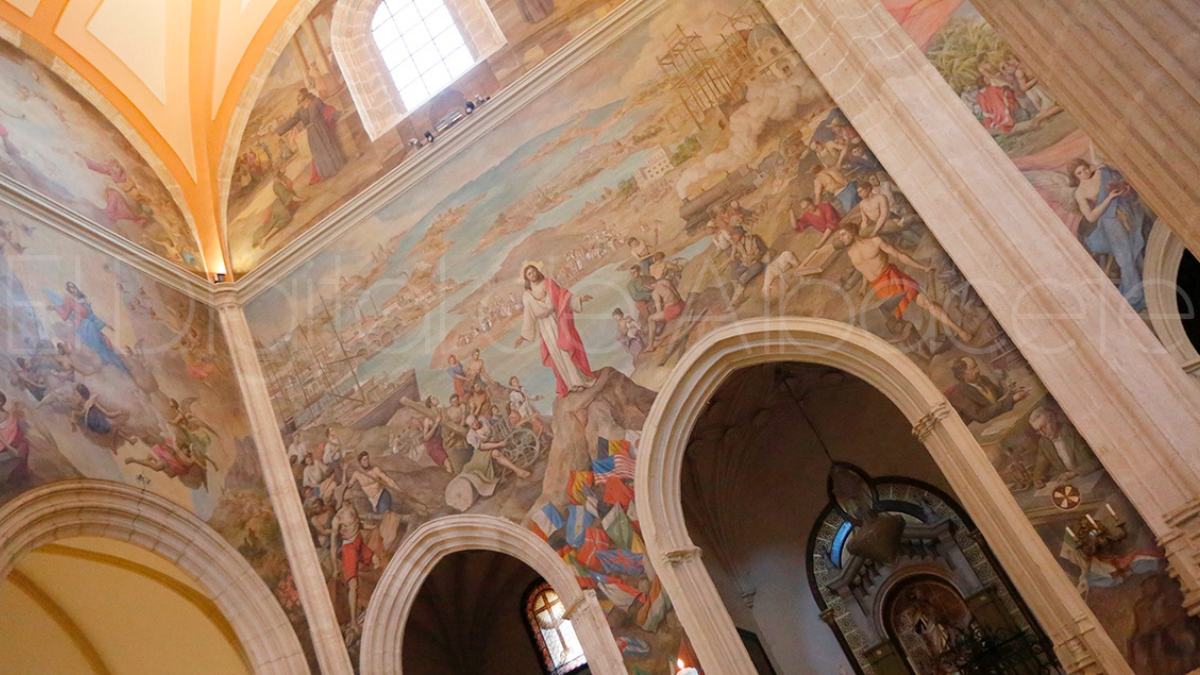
(1066, 497)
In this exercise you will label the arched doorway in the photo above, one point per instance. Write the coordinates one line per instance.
(1055, 604)
(476, 613)
(387, 616)
(93, 604)
(107, 510)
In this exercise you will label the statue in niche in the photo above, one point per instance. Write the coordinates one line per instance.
(929, 619)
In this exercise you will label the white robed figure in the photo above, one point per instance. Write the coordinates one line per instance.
(549, 316)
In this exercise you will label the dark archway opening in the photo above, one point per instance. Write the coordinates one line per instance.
(756, 497)
(470, 618)
(1188, 296)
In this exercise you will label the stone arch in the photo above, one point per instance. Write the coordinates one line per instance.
(387, 613)
(98, 508)
(1164, 253)
(1081, 645)
(362, 66)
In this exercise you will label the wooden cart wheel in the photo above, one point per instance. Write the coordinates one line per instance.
(523, 448)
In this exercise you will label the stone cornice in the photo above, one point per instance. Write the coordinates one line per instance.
(43, 210)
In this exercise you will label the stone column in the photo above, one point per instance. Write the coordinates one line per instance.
(277, 474)
(591, 626)
(1128, 398)
(719, 647)
(1129, 73)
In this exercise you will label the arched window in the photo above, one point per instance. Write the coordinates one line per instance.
(555, 638)
(423, 47)
(1172, 279)
(1188, 296)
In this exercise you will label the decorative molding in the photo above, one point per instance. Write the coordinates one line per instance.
(43, 210)
(1072, 652)
(681, 555)
(409, 173)
(582, 601)
(311, 585)
(1096, 57)
(929, 421)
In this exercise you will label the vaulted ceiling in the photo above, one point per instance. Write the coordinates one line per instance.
(175, 71)
(178, 79)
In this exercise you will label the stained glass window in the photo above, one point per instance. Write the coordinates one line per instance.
(561, 651)
(422, 47)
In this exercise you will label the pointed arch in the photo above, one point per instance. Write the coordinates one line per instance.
(387, 614)
(80, 508)
(1081, 645)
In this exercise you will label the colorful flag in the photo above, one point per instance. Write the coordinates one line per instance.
(578, 521)
(577, 484)
(548, 520)
(617, 492)
(617, 561)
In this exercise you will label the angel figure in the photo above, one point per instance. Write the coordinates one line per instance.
(189, 429)
(177, 462)
(101, 423)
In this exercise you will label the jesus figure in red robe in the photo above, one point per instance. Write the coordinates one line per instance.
(549, 316)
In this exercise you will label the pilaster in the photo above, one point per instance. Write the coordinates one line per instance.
(710, 629)
(1073, 652)
(277, 475)
(1127, 397)
(1129, 75)
(1182, 544)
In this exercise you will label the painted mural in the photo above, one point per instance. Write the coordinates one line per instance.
(106, 374)
(304, 150)
(1091, 197)
(56, 143)
(491, 341)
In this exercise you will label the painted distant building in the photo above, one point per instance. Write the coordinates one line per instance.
(658, 165)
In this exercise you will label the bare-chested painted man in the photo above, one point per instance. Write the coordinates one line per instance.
(350, 552)
(875, 208)
(668, 305)
(872, 257)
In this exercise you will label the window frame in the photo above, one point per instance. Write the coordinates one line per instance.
(398, 54)
(529, 619)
